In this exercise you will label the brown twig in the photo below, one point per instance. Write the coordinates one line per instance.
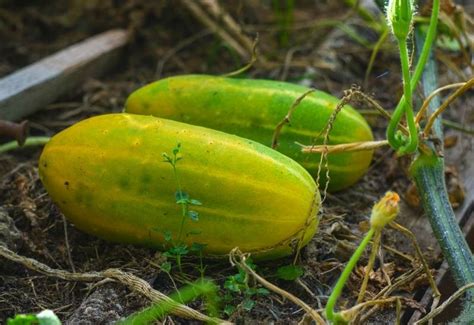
(213, 7)
(401, 280)
(426, 267)
(428, 99)
(345, 147)
(204, 18)
(287, 118)
(445, 304)
(445, 104)
(324, 156)
(370, 265)
(252, 61)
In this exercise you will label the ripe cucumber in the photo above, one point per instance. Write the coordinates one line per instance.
(108, 177)
(252, 109)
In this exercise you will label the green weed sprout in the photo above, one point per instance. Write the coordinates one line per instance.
(238, 285)
(383, 213)
(179, 248)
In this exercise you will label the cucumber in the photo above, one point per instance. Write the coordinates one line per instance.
(108, 177)
(252, 109)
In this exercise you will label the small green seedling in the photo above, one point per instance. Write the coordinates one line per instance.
(238, 285)
(289, 272)
(178, 248)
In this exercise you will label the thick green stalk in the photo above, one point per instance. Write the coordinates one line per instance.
(428, 172)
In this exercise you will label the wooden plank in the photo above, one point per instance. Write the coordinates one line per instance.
(31, 88)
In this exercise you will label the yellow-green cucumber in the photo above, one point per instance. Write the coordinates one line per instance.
(252, 109)
(108, 177)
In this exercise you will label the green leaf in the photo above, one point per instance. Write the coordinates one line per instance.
(263, 292)
(193, 215)
(166, 267)
(251, 264)
(180, 249)
(229, 309)
(227, 297)
(176, 149)
(166, 158)
(290, 272)
(46, 317)
(22, 320)
(232, 285)
(181, 197)
(248, 304)
(195, 202)
(167, 235)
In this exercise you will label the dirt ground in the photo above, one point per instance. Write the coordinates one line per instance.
(168, 40)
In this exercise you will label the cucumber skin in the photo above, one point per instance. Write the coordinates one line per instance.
(108, 177)
(252, 108)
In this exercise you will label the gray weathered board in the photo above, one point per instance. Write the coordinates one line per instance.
(31, 88)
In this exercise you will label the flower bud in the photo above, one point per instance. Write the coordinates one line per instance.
(400, 17)
(385, 210)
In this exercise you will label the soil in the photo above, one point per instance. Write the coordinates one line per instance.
(168, 40)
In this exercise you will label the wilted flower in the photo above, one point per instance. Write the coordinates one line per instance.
(385, 210)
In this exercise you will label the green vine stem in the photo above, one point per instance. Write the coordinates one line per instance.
(427, 170)
(30, 142)
(397, 142)
(336, 318)
(413, 140)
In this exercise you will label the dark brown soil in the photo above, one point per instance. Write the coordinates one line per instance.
(30, 31)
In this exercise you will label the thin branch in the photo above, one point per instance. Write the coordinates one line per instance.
(213, 7)
(252, 61)
(427, 101)
(287, 118)
(370, 265)
(412, 237)
(445, 304)
(445, 104)
(201, 15)
(345, 147)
